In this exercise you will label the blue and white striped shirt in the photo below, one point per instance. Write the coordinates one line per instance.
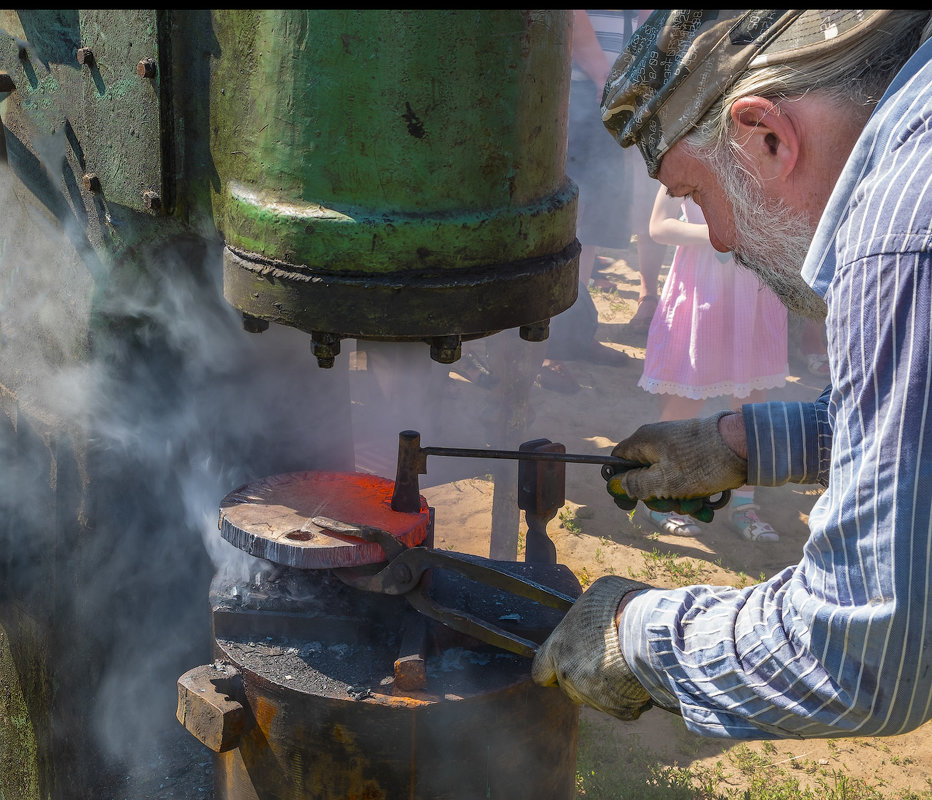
(841, 643)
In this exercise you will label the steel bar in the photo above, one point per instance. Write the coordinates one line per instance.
(531, 455)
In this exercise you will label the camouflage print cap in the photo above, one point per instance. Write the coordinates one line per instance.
(679, 63)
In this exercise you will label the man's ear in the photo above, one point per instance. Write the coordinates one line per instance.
(767, 136)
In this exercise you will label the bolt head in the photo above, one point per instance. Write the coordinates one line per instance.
(85, 56)
(446, 349)
(146, 68)
(538, 332)
(91, 182)
(253, 324)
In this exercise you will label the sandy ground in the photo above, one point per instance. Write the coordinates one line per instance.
(595, 538)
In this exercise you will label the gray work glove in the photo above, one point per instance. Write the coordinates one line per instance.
(687, 458)
(583, 655)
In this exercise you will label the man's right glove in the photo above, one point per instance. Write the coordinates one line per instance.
(583, 655)
(687, 458)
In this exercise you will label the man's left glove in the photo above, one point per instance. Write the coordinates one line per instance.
(583, 655)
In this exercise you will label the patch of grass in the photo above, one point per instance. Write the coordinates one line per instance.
(608, 768)
(614, 304)
(617, 768)
(669, 567)
(569, 522)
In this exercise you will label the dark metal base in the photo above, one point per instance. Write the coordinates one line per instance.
(403, 306)
(328, 721)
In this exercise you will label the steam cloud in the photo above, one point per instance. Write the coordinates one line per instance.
(133, 402)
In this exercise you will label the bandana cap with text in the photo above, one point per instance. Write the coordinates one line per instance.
(679, 63)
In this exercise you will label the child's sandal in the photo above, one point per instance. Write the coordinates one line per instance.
(744, 520)
(674, 524)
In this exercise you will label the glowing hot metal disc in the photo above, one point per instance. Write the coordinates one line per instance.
(271, 518)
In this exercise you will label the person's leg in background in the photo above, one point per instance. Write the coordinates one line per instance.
(812, 346)
(650, 254)
(596, 164)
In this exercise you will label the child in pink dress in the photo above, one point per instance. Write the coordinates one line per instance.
(717, 332)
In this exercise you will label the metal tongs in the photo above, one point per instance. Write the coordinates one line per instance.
(412, 461)
(407, 573)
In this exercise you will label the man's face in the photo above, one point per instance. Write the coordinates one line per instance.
(764, 234)
(686, 175)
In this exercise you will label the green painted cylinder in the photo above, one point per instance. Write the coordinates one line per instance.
(395, 175)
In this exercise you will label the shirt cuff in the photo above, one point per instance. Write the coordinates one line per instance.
(783, 443)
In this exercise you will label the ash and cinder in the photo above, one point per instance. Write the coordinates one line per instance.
(310, 632)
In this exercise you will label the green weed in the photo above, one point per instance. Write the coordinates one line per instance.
(666, 566)
(609, 768)
(569, 522)
(614, 304)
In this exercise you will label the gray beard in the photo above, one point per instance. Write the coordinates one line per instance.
(771, 240)
(769, 257)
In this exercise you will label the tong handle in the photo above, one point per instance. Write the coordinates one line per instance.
(471, 625)
(704, 513)
(406, 574)
(419, 560)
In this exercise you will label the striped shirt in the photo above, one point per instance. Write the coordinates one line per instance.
(841, 643)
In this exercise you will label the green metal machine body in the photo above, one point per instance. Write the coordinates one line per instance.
(411, 186)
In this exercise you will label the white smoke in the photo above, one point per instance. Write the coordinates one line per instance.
(133, 403)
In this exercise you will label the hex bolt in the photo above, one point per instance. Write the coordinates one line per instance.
(151, 200)
(86, 56)
(326, 347)
(446, 349)
(538, 332)
(146, 68)
(91, 182)
(253, 324)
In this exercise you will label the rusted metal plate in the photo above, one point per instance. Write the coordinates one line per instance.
(210, 706)
(122, 125)
(271, 518)
(330, 715)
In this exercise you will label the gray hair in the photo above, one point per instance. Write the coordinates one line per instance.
(856, 77)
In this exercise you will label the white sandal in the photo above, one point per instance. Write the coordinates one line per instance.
(744, 520)
(673, 524)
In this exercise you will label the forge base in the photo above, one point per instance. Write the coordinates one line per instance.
(330, 724)
(517, 743)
